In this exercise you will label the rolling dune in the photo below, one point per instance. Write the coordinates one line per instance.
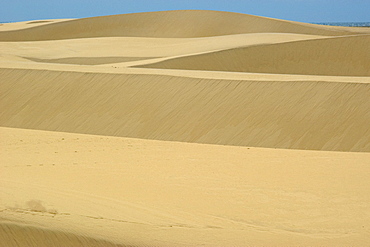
(184, 128)
(141, 47)
(302, 115)
(169, 24)
(345, 56)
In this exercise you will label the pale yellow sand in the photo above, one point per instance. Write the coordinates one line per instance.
(143, 192)
(12, 26)
(250, 84)
(142, 46)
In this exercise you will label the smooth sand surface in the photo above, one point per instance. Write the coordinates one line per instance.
(184, 128)
(296, 114)
(146, 192)
(347, 56)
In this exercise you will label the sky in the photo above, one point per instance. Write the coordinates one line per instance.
(311, 11)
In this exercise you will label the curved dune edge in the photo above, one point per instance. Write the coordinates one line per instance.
(141, 46)
(168, 24)
(15, 26)
(343, 56)
(315, 115)
(155, 193)
(90, 60)
(29, 236)
(14, 63)
(38, 22)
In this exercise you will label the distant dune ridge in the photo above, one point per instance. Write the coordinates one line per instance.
(168, 24)
(184, 128)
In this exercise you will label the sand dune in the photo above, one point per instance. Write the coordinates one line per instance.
(168, 24)
(303, 115)
(141, 192)
(181, 129)
(141, 47)
(18, 235)
(11, 26)
(347, 56)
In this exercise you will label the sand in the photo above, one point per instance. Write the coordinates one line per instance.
(170, 24)
(184, 128)
(333, 56)
(147, 192)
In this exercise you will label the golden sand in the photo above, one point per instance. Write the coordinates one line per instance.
(184, 128)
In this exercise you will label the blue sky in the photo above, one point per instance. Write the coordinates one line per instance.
(296, 10)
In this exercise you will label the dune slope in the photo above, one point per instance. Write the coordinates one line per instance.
(296, 114)
(155, 193)
(29, 236)
(345, 56)
(140, 47)
(168, 24)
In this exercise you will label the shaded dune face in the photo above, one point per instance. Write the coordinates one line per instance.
(344, 56)
(18, 235)
(297, 114)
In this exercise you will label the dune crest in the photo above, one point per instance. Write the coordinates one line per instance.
(168, 24)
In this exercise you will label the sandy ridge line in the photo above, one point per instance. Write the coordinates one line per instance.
(195, 74)
(167, 24)
(199, 61)
(22, 25)
(140, 63)
(264, 45)
(4, 129)
(139, 46)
